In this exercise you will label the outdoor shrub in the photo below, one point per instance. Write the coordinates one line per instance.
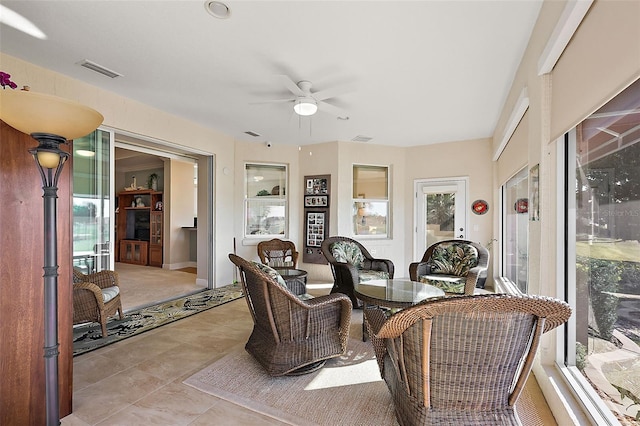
(603, 277)
(630, 277)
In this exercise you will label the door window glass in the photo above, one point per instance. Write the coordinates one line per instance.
(515, 229)
(370, 211)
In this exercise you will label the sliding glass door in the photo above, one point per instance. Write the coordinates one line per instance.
(92, 202)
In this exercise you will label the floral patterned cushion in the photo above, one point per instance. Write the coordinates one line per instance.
(271, 272)
(368, 275)
(453, 259)
(448, 284)
(347, 252)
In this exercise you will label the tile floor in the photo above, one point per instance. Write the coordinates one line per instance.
(139, 380)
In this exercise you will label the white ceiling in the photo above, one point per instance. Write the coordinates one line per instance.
(413, 73)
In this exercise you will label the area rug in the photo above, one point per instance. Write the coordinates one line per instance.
(88, 337)
(346, 391)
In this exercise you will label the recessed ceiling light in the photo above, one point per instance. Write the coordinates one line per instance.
(217, 9)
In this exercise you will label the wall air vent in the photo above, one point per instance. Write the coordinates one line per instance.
(254, 134)
(98, 68)
(361, 138)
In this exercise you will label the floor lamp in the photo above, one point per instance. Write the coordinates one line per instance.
(51, 121)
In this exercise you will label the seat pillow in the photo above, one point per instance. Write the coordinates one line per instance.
(109, 293)
(347, 252)
(447, 283)
(453, 259)
(271, 272)
(368, 275)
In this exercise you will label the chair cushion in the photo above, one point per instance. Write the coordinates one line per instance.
(271, 272)
(368, 275)
(347, 252)
(453, 259)
(447, 283)
(109, 293)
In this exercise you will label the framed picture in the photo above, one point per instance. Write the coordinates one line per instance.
(316, 184)
(316, 201)
(315, 228)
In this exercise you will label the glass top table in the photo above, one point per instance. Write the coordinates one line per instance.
(395, 293)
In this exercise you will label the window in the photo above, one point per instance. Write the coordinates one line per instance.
(265, 200)
(603, 256)
(370, 200)
(515, 225)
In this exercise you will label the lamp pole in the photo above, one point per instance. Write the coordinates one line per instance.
(50, 160)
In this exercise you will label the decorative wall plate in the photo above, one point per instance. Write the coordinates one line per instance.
(522, 205)
(480, 207)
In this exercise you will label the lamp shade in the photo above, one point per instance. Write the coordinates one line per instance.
(32, 112)
(305, 106)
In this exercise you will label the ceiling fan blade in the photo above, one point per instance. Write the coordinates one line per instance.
(292, 86)
(330, 93)
(331, 109)
(272, 101)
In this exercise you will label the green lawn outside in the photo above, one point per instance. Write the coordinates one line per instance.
(628, 251)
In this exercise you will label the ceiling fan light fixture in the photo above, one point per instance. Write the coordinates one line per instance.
(305, 106)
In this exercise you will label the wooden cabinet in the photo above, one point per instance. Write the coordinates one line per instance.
(155, 240)
(139, 219)
(134, 251)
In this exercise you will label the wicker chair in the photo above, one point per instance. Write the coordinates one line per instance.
(278, 253)
(456, 266)
(96, 297)
(351, 263)
(461, 360)
(291, 336)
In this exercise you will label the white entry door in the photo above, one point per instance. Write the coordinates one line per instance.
(440, 212)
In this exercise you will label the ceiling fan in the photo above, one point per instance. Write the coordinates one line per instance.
(306, 102)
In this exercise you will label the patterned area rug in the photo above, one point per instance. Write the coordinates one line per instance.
(88, 337)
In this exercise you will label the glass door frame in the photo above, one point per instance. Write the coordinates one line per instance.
(459, 185)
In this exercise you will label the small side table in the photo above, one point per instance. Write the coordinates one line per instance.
(296, 279)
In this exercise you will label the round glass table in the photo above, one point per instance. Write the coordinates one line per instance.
(395, 293)
(296, 279)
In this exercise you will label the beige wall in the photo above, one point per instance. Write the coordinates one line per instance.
(259, 153)
(178, 212)
(470, 159)
(601, 59)
(125, 114)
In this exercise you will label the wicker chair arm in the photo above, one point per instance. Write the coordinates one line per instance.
(94, 289)
(472, 279)
(416, 269)
(327, 299)
(104, 279)
(374, 318)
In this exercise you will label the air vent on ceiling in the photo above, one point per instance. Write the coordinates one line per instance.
(361, 138)
(98, 68)
(254, 134)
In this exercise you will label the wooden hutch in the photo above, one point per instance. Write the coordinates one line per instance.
(139, 229)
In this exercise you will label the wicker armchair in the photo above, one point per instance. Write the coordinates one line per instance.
(456, 266)
(291, 336)
(461, 360)
(351, 263)
(96, 297)
(278, 253)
